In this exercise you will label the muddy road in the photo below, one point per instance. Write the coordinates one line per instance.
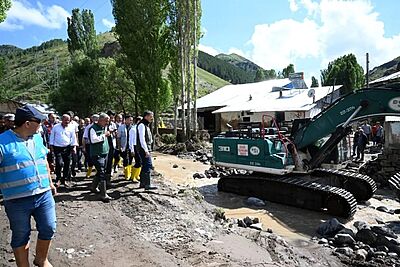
(175, 226)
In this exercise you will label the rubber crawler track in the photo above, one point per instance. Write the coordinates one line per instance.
(394, 182)
(361, 186)
(293, 191)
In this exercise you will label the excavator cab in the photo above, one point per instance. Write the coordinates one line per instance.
(253, 147)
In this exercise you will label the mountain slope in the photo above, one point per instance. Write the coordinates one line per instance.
(240, 62)
(223, 69)
(31, 74)
(385, 69)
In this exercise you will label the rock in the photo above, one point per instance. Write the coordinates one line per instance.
(209, 155)
(343, 239)
(345, 251)
(253, 201)
(366, 236)
(175, 166)
(361, 254)
(347, 231)
(248, 221)
(11, 259)
(382, 230)
(382, 248)
(380, 254)
(241, 223)
(323, 241)
(257, 226)
(70, 251)
(199, 175)
(396, 211)
(330, 227)
(269, 230)
(379, 221)
(360, 225)
(382, 208)
(256, 220)
(200, 231)
(392, 254)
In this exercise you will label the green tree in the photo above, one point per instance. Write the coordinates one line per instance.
(81, 33)
(344, 71)
(270, 74)
(286, 71)
(314, 82)
(4, 6)
(259, 76)
(143, 33)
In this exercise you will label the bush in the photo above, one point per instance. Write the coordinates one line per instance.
(168, 138)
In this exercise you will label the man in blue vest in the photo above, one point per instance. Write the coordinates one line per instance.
(26, 185)
(144, 141)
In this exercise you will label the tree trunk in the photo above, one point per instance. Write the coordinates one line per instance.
(182, 62)
(188, 69)
(194, 120)
(176, 100)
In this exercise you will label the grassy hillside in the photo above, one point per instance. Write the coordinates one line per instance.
(32, 73)
(224, 70)
(240, 62)
(385, 69)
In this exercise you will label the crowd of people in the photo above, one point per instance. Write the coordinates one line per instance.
(364, 135)
(33, 147)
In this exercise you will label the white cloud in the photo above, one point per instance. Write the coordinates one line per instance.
(293, 5)
(209, 50)
(331, 29)
(107, 23)
(23, 14)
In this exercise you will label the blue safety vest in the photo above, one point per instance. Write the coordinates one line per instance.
(22, 173)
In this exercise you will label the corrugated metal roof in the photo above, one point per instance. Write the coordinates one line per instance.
(392, 76)
(291, 100)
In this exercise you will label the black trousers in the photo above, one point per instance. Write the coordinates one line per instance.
(100, 163)
(127, 157)
(138, 160)
(110, 157)
(63, 159)
(88, 159)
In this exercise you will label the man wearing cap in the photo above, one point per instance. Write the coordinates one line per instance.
(26, 186)
(63, 144)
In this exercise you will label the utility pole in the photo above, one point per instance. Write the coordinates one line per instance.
(367, 74)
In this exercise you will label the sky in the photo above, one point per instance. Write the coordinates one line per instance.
(271, 33)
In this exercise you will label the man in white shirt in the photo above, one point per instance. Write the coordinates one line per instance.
(74, 124)
(62, 144)
(135, 153)
(144, 141)
(123, 145)
(86, 145)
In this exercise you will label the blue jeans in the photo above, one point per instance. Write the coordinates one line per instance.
(100, 163)
(19, 212)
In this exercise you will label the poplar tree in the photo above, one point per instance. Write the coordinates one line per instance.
(4, 6)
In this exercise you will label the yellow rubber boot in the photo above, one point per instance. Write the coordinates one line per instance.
(89, 172)
(126, 174)
(120, 162)
(137, 174)
(134, 174)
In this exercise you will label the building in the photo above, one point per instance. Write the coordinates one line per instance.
(392, 80)
(232, 104)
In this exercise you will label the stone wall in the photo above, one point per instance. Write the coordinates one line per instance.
(383, 166)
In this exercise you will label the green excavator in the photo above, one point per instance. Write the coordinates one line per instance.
(287, 168)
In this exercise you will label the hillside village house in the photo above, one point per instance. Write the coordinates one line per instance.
(249, 102)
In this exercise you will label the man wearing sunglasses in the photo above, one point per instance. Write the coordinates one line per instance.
(26, 185)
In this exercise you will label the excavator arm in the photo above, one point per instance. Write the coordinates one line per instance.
(335, 119)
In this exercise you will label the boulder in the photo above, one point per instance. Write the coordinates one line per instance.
(347, 231)
(345, 251)
(361, 225)
(257, 226)
(330, 227)
(241, 223)
(248, 221)
(361, 254)
(382, 209)
(380, 254)
(253, 201)
(323, 241)
(343, 239)
(175, 166)
(383, 230)
(366, 236)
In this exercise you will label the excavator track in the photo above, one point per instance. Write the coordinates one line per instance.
(394, 182)
(361, 186)
(293, 191)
